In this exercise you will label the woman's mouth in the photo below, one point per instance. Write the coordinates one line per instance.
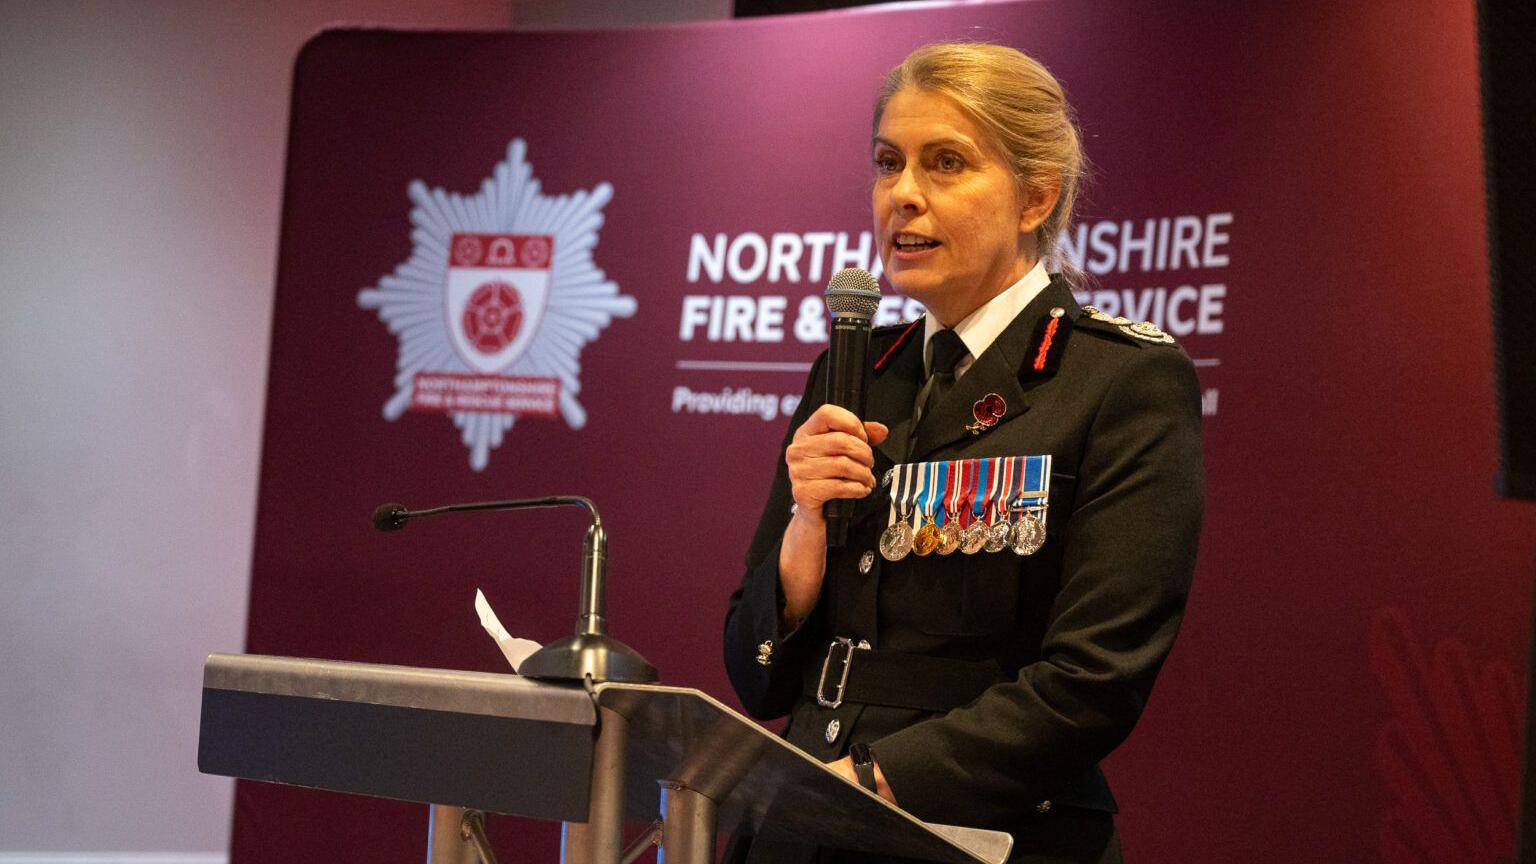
(906, 244)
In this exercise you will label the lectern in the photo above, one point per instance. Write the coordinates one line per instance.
(472, 742)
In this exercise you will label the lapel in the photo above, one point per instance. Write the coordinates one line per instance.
(891, 400)
(1002, 369)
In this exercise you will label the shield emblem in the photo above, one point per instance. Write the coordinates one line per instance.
(497, 288)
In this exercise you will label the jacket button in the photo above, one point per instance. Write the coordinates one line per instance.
(866, 561)
(834, 726)
(765, 653)
(1043, 807)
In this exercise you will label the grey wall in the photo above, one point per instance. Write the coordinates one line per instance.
(141, 149)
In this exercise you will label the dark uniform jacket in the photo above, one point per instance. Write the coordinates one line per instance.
(1076, 632)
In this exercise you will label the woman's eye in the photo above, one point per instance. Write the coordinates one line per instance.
(949, 162)
(886, 163)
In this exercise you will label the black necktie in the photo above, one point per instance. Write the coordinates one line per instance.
(948, 351)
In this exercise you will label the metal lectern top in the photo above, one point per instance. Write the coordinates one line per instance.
(472, 739)
(513, 745)
(754, 775)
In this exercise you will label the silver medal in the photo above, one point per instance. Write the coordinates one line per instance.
(896, 541)
(976, 536)
(997, 534)
(1028, 535)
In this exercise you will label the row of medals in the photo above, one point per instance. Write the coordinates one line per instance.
(1024, 535)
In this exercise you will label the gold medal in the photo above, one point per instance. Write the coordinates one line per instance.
(926, 539)
(950, 536)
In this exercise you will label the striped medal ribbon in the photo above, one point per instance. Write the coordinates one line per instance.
(1032, 491)
(951, 533)
(976, 533)
(998, 526)
(896, 540)
(927, 538)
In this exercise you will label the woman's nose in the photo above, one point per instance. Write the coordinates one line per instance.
(906, 192)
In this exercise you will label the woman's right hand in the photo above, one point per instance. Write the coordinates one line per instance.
(829, 457)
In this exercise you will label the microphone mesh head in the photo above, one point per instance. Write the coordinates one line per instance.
(853, 293)
(387, 517)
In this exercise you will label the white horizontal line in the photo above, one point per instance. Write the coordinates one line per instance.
(743, 365)
(114, 858)
(1207, 361)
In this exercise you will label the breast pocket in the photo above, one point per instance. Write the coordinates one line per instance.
(954, 595)
(981, 594)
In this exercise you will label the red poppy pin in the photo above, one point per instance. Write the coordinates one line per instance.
(987, 410)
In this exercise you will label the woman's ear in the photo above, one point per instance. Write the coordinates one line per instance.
(1039, 201)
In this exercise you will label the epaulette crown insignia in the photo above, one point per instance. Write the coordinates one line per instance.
(1146, 331)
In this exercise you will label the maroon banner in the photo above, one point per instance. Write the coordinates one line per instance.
(591, 263)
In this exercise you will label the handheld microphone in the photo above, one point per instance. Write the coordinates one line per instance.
(852, 297)
(590, 655)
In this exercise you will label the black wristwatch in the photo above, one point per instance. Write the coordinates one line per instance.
(864, 766)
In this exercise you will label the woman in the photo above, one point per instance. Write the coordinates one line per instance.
(982, 689)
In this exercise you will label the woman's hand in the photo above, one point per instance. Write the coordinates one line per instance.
(829, 457)
(844, 766)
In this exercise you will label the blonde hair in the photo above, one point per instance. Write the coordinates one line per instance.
(1017, 99)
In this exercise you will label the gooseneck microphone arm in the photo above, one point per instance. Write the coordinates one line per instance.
(592, 653)
(392, 517)
(594, 563)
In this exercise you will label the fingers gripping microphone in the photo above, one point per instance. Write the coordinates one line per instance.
(853, 295)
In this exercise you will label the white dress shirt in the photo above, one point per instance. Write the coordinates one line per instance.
(981, 328)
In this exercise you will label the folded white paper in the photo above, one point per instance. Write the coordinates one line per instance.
(514, 649)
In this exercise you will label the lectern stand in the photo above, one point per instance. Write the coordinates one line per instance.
(475, 741)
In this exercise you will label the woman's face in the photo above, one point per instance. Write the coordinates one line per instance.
(953, 227)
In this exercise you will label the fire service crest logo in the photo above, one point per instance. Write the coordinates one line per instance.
(497, 300)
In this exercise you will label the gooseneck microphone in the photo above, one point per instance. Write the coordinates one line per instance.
(591, 653)
(852, 296)
(392, 517)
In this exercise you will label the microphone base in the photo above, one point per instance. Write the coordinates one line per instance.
(602, 657)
